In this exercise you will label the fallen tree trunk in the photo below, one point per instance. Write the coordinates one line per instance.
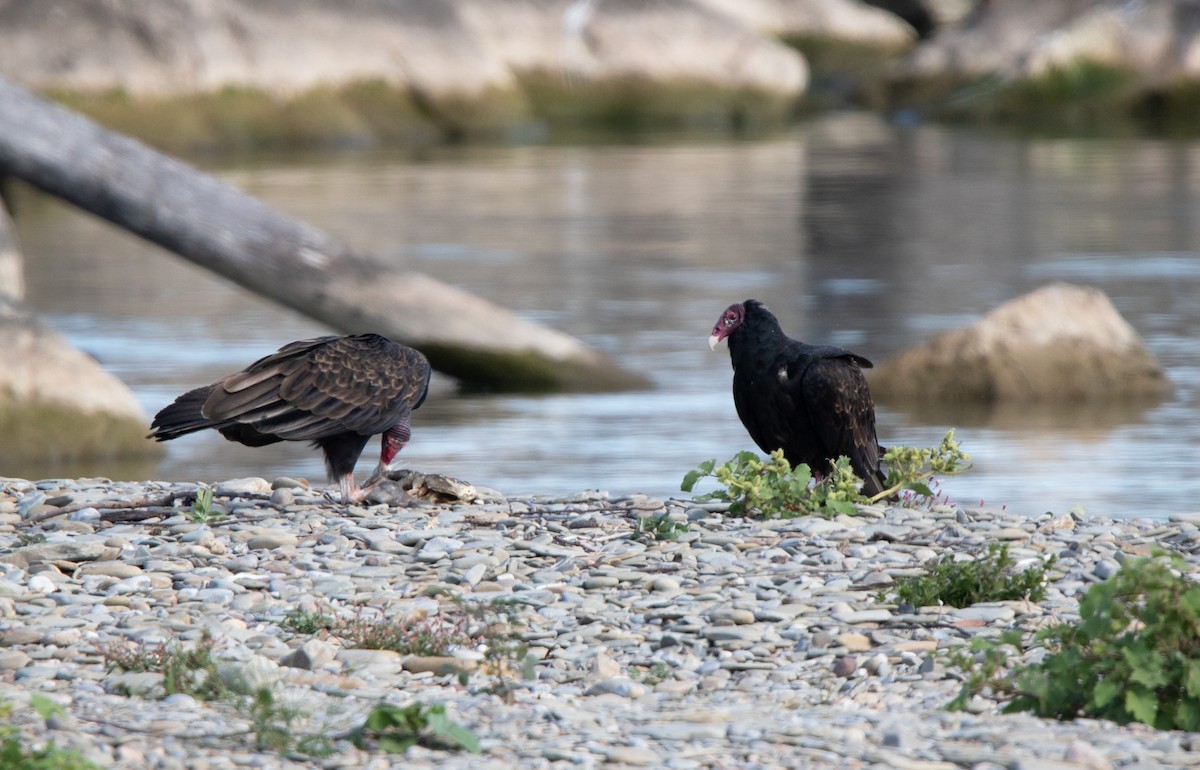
(235, 235)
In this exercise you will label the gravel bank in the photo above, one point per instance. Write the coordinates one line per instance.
(738, 644)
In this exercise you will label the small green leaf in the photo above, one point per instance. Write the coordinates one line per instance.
(689, 481)
(383, 716)
(45, 707)
(841, 507)
(921, 488)
(1106, 691)
(1192, 679)
(1141, 704)
(452, 733)
(1187, 716)
(394, 743)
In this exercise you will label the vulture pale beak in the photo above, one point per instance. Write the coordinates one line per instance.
(713, 339)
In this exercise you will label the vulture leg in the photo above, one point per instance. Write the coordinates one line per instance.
(350, 491)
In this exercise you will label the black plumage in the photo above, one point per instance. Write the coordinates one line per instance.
(336, 392)
(811, 401)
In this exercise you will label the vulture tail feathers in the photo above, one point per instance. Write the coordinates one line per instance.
(181, 417)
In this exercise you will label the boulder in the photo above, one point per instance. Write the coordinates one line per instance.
(665, 41)
(1025, 39)
(57, 403)
(431, 48)
(1060, 343)
(188, 46)
(845, 20)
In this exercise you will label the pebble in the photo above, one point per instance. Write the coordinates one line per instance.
(740, 643)
(268, 540)
(845, 666)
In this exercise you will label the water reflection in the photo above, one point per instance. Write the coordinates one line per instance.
(855, 232)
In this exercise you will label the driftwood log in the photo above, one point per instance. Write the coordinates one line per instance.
(217, 226)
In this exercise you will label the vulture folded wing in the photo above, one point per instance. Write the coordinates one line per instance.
(362, 384)
(842, 411)
(253, 394)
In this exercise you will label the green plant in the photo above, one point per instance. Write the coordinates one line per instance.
(1134, 655)
(650, 675)
(306, 621)
(416, 634)
(493, 628)
(911, 469)
(203, 511)
(987, 578)
(774, 488)
(273, 725)
(14, 755)
(658, 526)
(985, 663)
(506, 660)
(184, 670)
(194, 671)
(394, 729)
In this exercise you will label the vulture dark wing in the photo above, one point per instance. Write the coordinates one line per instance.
(843, 413)
(321, 387)
(366, 383)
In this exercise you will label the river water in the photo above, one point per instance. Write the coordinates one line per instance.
(855, 232)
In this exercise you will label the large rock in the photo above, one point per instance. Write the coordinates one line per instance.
(57, 403)
(187, 46)
(845, 20)
(1157, 39)
(1058, 343)
(429, 47)
(664, 41)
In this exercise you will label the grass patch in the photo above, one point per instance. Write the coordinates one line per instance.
(987, 578)
(375, 113)
(415, 634)
(243, 120)
(306, 622)
(274, 727)
(1081, 99)
(1075, 98)
(277, 727)
(193, 670)
(189, 670)
(1172, 109)
(845, 73)
(634, 104)
(652, 674)
(56, 434)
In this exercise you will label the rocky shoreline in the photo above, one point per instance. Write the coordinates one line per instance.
(726, 643)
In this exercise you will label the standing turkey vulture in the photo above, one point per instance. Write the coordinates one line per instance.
(336, 392)
(809, 400)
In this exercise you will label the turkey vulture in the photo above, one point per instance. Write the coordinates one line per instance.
(809, 400)
(336, 392)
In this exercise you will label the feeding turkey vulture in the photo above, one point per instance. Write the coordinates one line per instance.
(809, 400)
(336, 392)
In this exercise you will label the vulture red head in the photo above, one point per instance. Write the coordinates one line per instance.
(727, 324)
